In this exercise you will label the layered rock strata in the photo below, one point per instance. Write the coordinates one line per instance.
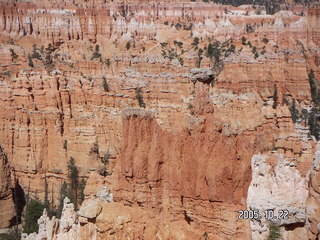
(187, 146)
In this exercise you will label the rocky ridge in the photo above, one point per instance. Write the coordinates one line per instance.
(166, 159)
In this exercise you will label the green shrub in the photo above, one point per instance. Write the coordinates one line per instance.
(274, 232)
(249, 28)
(191, 109)
(177, 43)
(243, 40)
(105, 84)
(107, 62)
(265, 40)
(128, 45)
(212, 83)
(199, 59)
(96, 53)
(35, 52)
(254, 49)
(181, 61)
(34, 210)
(178, 26)
(13, 54)
(195, 43)
(30, 62)
(11, 235)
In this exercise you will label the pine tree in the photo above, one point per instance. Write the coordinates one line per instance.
(64, 192)
(128, 45)
(294, 112)
(81, 188)
(35, 52)
(275, 97)
(105, 84)
(313, 87)
(48, 63)
(96, 53)
(73, 175)
(46, 196)
(13, 54)
(30, 62)
(34, 211)
(140, 98)
(313, 123)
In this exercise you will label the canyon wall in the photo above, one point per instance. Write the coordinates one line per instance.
(187, 152)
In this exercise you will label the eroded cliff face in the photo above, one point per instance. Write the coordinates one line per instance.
(7, 203)
(182, 165)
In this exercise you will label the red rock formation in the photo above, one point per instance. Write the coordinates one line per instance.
(185, 160)
(7, 208)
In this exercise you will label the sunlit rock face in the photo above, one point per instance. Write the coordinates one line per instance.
(182, 139)
(279, 188)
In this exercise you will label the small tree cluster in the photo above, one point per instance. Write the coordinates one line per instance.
(13, 54)
(249, 28)
(217, 52)
(42, 54)
(255, 52)
(173, 53)
(47, 61)
(270, 6)
(265, 40)
(96, 53)
(36, 52)
(11, 235)
(178, 26)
